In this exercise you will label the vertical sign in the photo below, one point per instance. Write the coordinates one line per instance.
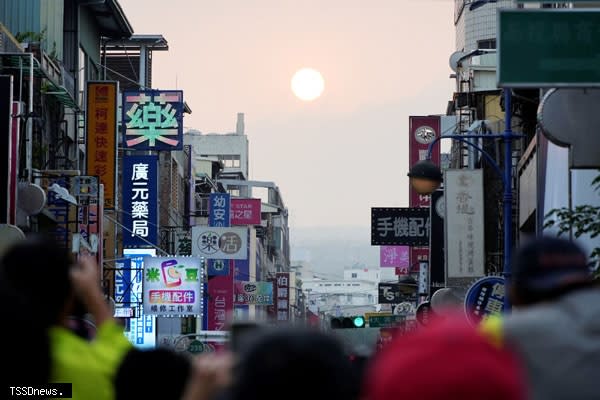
(5, 144)
(219, 209)
(464, 223)
(219, 270)
(142, 332)
(283, 296)
(123, 282)
(140, 200)
(437, 268)
(14, 161)
(220, 301)
(101, 125)
(423, 130)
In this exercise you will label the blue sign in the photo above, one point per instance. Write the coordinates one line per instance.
(140, 201)
(217, 267)
(141, 332)
(242, 273)
(219, 209)
(123, 283)
(485, 297)
(153, 120)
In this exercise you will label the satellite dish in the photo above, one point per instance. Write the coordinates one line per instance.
(454, 59)
(31, 198)
(9, 235)
(569, 117)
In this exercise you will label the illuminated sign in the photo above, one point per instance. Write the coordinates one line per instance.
(153, 120)
(140, 200)
(172, 286)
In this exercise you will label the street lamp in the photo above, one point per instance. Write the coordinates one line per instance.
(425, 177)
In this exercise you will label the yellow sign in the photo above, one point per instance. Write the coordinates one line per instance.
(375, 314)
(101, 126)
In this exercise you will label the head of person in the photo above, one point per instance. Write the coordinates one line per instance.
(293, 363)
(448, 359)
(36, 290)
(546, 268)
(138, 365)
(37, 271)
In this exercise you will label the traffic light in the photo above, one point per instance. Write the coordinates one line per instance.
(350, 322)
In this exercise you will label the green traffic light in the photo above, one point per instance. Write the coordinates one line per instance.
(359, 322)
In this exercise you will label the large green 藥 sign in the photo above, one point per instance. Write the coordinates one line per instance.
(549, 48)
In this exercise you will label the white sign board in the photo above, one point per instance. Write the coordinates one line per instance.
(172, 286)
(220, 242)
(464, 223)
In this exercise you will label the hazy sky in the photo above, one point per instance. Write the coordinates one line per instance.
(338, 156)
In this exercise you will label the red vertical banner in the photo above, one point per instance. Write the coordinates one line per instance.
(423, 130)
(220, 300)
(282, 300)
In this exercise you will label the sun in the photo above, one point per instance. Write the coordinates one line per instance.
(307, 84)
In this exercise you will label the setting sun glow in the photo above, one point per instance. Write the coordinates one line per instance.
(307, 84)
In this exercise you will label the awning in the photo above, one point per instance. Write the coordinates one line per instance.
(51, 75)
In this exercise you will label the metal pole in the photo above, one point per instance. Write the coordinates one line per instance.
(507, 200)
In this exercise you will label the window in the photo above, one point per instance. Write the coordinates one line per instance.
(230, 160)
(486, 44)
(349, 298)
(354, 275)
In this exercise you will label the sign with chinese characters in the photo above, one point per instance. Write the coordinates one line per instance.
(141, 330)
(101, 125)
(394, 256)
(218, 209)
(172, 286)
(220, 301)
(140, 200)
(153, 120)
(422, 131)
(548, 48)
(464, 223)
(485, 297)
(282, 282)
(245, 211)
(123, 283)
(400, 226)
(259, 293)
(220, 243)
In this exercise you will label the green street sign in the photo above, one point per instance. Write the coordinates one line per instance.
(548, 48)
(196, 347)
(385, 321)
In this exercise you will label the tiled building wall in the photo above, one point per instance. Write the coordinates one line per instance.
(478, 24)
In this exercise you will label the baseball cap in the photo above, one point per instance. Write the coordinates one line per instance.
(550, 263)
(446, 360)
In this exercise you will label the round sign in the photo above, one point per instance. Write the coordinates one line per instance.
(424, 134)
(424, 313)
(485, 297)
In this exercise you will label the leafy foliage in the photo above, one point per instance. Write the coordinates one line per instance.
(582, 220)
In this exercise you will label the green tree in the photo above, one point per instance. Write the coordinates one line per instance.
(582, 220)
